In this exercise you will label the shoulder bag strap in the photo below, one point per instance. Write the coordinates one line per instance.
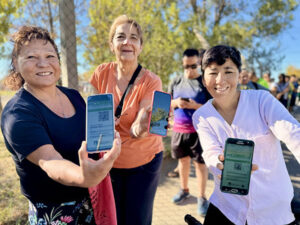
(120, 106)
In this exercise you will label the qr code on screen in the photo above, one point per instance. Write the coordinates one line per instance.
(103, 116)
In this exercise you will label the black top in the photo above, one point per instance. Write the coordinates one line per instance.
(26, 125)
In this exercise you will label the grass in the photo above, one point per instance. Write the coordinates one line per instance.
(13, 205)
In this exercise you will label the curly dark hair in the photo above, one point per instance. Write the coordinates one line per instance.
(23, 36)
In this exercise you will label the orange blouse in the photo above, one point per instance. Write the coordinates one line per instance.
(135, 152)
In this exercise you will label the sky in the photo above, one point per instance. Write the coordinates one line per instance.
(290, 48)
(290, 45)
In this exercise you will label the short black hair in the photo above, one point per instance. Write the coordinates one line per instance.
(218, 54)
(191, 52)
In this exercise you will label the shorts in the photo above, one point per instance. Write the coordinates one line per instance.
(186, 144)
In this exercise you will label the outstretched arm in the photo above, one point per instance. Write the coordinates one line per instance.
(89, 173)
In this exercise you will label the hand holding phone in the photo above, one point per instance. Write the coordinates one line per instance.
(237, 167)
(185, 99)
(99, 122)
(158, 121)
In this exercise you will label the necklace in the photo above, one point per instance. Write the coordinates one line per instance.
(61, 104)
(55, 106)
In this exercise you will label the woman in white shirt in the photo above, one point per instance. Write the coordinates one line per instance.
(248, 114)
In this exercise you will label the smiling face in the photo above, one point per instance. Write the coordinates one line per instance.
(221, 80)
(126, 43)
(38, 64)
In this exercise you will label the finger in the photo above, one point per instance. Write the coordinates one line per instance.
(117, 135)
(117, 121)
(82, 153)
(219, 176)
(114, 152)
(220, 166)
(147, 109)
(170, 126)
(221, 157)
(254, 167)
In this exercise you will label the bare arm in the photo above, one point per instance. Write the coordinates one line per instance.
(89, 173)
(140, 125)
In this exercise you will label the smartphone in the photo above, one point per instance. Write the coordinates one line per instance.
(185, 99)
(236, 173)
(158, 121)
(100, 124)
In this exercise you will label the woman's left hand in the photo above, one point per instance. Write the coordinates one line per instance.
(220, 165)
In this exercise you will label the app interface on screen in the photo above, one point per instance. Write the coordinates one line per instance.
(100, 132)
(237, 166)
(160, 112)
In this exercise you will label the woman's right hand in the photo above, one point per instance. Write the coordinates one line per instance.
(94, 171)
(220, 165)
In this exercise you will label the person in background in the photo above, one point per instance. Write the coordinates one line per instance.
(43, 127)
(245, 82)
(282, 89)
(271, 83)
(263, 82)
(252, 115)
(293, 92)
(188, 94)
(135, 173)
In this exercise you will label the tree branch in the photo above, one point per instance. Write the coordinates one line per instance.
(219, 12)
(203, 41)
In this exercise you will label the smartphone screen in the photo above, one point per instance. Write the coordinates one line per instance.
(237, 166)
(100, 122)
(158, 122)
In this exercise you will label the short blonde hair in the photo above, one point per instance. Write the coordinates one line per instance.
(121, 20)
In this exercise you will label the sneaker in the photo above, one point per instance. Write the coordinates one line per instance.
(202, 206)
(181, 195)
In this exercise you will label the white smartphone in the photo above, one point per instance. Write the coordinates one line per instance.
(100, 124)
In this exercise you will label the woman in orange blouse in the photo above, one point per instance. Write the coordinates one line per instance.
(135, 173)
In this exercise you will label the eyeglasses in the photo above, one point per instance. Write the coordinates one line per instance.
(193, 66)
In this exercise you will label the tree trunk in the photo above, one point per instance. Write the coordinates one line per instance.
(68, 43)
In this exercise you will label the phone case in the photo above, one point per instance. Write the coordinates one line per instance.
(151, 114)
(101, 118)
(238, 166)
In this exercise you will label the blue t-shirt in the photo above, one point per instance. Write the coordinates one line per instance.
(187, 88)
(26, 125)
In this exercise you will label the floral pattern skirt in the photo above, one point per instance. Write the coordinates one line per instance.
(78, 212)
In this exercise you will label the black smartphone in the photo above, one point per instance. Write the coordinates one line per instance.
(236, 173)
(100, 123)
(185, 99)
(158, 121)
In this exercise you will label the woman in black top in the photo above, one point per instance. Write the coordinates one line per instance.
(43, 127)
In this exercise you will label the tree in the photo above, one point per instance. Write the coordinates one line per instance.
(252, 29)
(9, 9)
(160, 45)
(293, 70)
(172, 25)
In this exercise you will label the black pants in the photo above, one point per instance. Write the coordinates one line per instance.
(134, 191)
(214, 216)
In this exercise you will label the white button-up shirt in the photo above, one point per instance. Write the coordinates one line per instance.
(263, 119)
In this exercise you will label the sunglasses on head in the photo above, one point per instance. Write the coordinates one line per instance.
(193, 66)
